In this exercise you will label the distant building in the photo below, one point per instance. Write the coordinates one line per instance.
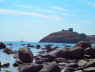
(71, 29)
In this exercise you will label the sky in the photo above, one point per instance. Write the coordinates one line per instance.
(31, 20)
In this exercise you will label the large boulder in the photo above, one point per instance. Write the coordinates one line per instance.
(25, 55)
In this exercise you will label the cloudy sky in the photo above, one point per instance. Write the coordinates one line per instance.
(31, 20)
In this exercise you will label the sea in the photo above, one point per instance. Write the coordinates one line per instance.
(16, 45)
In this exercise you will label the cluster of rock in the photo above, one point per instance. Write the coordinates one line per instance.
(80, 58)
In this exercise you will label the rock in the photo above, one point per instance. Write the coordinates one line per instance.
(29, 45)
(38, 46)
(9, 51)
(25, 55)
(49, 48)
(50, 67)
(90, 53)
(2, 45)
(34, 68)
(6, 65)
(15, 65)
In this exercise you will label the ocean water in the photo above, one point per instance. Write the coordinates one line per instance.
(17, 45)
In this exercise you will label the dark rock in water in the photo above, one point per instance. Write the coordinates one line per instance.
(49, 48)
(29, 45)
(2, 45)
(25, 56)
(15, 65)
(38, 46)
(9, 51)
(35, 68)
(6, 65)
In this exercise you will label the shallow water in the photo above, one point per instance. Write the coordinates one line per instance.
(5, 58)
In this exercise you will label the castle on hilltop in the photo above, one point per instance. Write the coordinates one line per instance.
(67, 36)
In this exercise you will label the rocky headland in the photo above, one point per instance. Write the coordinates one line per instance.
(68, 36)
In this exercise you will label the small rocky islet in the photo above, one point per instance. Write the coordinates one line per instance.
(68, 36)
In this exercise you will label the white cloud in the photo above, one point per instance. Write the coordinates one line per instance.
(24, 6)
(59, 8)
(2, 1)
(91, 4)
(87, 22)
(67, 14)
(56, 18)
(50, 11)
(17, 12)
(40, 15)
(45, 10)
